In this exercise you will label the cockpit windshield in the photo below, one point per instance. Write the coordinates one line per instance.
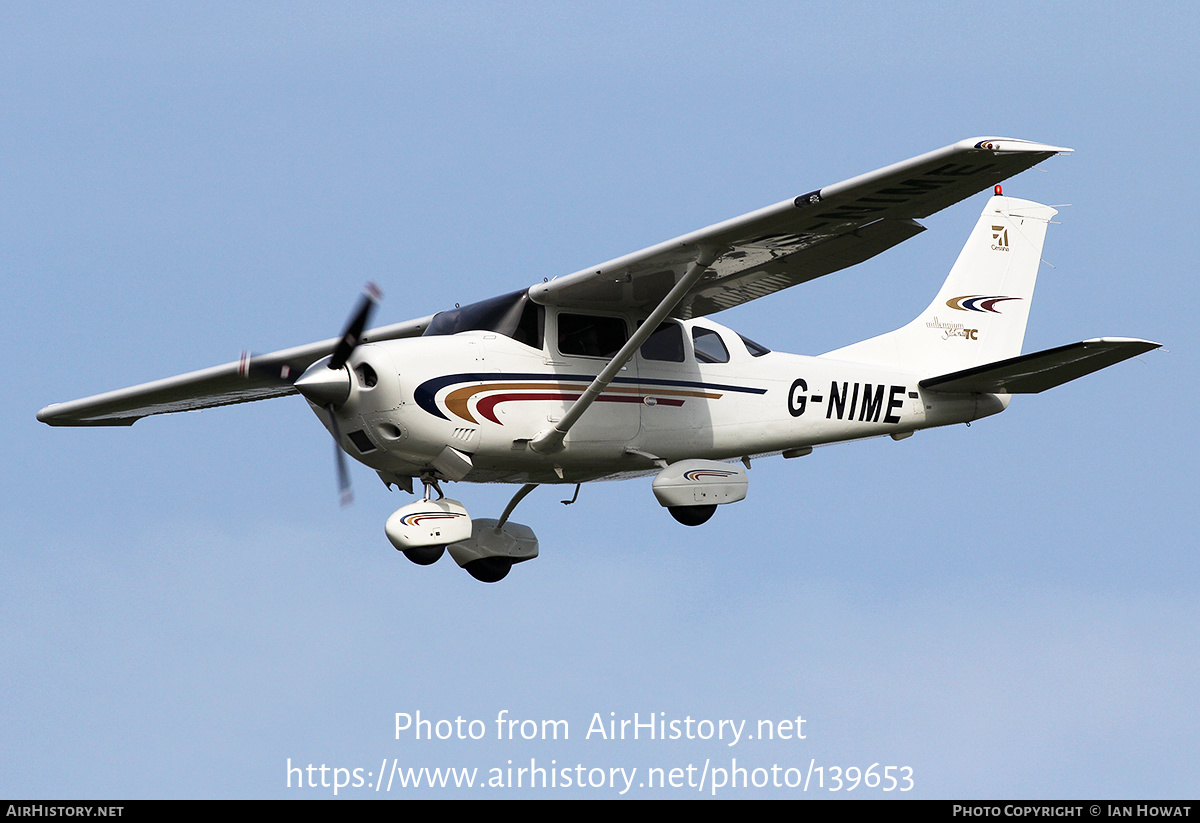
(512, 315)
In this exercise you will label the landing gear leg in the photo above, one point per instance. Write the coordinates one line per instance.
(512, 504)
(431, 485)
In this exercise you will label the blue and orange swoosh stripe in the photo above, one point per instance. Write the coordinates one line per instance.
(696, 475)
(416, 518)
(510, 387)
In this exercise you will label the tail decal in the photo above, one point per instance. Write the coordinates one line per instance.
(977, 302)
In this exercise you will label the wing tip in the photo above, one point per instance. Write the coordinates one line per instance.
(1145, 345)
(51, 416)
(1012, 144)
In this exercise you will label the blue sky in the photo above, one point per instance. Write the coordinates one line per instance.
(1007, 609)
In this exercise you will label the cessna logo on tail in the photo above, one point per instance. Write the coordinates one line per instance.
(999, 238)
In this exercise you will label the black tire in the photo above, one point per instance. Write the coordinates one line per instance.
(489, 569)
(425, 555)
(692, 515)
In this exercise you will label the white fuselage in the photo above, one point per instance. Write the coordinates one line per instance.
(487, 395)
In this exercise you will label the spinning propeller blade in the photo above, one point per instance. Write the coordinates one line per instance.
(351, 337)
(345, 490)
(325, 383)
(354, 329)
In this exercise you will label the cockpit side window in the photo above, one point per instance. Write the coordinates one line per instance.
(665, 344)
(709, 346)
(590, 335)
(755, 349)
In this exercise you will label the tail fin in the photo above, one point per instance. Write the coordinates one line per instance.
(979, 315)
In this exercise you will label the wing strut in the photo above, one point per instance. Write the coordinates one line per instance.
(549, 441)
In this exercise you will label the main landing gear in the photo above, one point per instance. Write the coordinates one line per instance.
(691, 490)
(489, 569)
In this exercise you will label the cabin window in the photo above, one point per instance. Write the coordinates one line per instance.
(590, 335)
(665, 344)
(710, 348)
(755, 349)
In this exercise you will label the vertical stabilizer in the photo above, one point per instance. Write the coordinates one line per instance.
(979, 315)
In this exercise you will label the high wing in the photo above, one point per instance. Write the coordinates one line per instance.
(255, 378)
(801, 239)
(727, 264)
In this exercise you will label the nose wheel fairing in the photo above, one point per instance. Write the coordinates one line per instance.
(428, 523)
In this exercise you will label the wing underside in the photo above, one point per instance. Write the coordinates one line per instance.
(795, 241)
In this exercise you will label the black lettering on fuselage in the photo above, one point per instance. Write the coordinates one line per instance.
(894, 403)
(868, 411)
(837, 399)
(797, 401)
(872, 404)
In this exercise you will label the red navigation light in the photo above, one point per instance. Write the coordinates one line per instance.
(999, 191)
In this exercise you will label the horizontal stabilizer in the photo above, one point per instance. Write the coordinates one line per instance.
(1036, 372)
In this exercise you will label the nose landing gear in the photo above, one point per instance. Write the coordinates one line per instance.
(423, 529)
(425, 555)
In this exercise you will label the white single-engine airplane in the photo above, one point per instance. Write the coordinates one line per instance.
(616, 370)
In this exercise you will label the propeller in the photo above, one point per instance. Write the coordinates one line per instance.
(326, 383)
(345, 490)
(351, 337)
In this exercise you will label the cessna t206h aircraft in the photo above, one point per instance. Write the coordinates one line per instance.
(617, 371)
